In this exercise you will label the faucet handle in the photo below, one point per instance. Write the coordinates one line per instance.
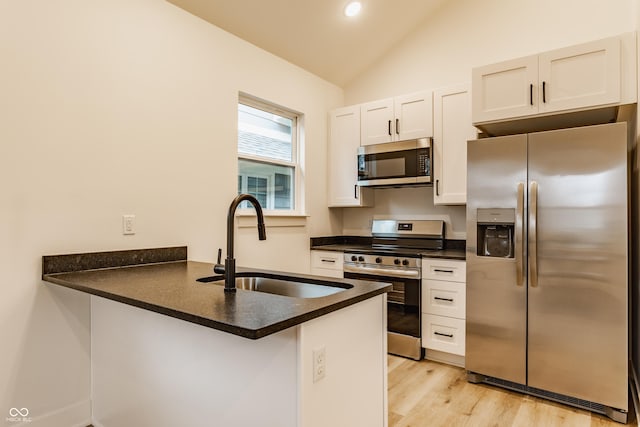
(219, 267)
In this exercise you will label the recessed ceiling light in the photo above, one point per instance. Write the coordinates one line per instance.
(352, 8)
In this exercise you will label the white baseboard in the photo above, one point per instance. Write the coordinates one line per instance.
(74, 415)
(441, 356)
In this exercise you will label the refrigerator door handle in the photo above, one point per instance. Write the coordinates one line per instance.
(533, 234)
(519, 235)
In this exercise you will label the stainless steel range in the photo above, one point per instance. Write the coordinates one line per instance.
(395, 257)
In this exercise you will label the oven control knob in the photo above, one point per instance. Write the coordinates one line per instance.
(396, 261)
(378, 260)
(405, 262)
(354, 258)
(361, 258)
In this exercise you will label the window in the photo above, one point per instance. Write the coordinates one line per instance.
(268, 167)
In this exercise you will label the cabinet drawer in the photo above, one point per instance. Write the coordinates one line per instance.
(443, 334)
(444, 298)
(444, 269)
(327, 260)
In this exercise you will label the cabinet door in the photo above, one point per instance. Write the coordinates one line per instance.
(452, 129)
(580, 76)
(413, 116)
(377, 121)
(342, 168)
(506, 89)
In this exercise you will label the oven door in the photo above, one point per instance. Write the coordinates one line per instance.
(403, 313)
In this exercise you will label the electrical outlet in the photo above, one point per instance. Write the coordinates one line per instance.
(319, 364)
(128, 224)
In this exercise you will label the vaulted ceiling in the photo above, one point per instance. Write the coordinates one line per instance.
(315, 34)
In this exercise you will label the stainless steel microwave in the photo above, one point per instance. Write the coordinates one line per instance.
(395, 163)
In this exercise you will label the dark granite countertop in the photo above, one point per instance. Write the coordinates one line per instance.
(453, 249)
(169, 287)
(458, 254)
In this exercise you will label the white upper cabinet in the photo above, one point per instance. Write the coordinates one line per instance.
(376, 122)
(342, 169)
(578, 77)
(452, 129)
(505, 89)
(414, 114)
(397, 119)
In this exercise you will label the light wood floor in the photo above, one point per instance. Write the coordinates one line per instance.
(433, 394)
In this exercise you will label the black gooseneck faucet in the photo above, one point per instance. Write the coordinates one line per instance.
(229, 268)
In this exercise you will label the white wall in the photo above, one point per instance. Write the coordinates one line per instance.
(406, 203)
(463, 34)
(467, 33)
(112, 107)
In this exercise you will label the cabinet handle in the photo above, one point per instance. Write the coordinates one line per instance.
(531, 93)
(355, 191)
(443, 335)
(389, 127)
(398, 126)
(544, 91)
(439, 270)
(437, 187)
(444, 299)
(329, 260)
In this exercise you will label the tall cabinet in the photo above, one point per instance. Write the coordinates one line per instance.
(451, 130)
(342, 170)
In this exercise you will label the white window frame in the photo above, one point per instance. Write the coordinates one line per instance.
(245, 183)
(295, 163)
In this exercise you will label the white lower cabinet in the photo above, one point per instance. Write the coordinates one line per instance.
(326, 263)
(443, 333)
(443, 310)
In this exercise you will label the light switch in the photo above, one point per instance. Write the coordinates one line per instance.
(128, 224)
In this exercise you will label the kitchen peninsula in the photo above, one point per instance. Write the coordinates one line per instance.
(168, 350)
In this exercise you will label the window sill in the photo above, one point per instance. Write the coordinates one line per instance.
(248, 219)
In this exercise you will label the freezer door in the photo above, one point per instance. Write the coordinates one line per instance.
(577, 316)
(496, 289)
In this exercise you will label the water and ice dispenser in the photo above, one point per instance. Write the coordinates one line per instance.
(496, 232)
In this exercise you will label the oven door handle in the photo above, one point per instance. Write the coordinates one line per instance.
(414, 274)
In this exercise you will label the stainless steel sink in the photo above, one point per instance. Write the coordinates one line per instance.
(281, 285)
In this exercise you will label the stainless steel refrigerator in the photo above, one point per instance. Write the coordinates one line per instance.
(547, 265)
